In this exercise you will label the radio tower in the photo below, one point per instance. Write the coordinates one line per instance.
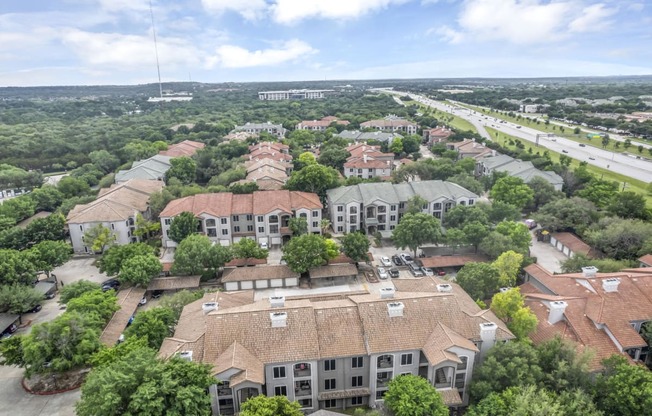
(158, 68)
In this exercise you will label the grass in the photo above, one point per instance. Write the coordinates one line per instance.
(633, 185)
(450, 120)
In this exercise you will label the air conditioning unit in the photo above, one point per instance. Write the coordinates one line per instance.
(185, 355)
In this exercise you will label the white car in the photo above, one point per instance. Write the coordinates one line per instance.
(385, 261)
(427, 271)
(264, 246)
(382, 273)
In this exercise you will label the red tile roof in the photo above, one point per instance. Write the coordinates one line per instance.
(647, 259)
(575, 244)
(185, 148)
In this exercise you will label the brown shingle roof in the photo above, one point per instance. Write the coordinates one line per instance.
(331, 317)
(174, 283)
(238, 357)
(334, 270)
(452, 261)
(128, 301)
(185, 148)
(258, 273)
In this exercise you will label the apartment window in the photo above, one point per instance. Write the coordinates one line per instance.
(223, 221)
(113, 226)
(236, 229)
(260, 218)
(279, 372)
(280, 391)
(81, 228)
(329, 404)
(357, 362)
(459, 380)
(401, 205)
(351, 170)
(353, 210)
(167, 221)
(225, 232)
(436, 205)
(315, 224)
(359, 170)
(382, 218)
(437, 214)
(250, 228)
(211, 232)
(380, 394)
(250, 217)
(261, 230)
(329, 365)
(471, 202)
(315, 213)
(462, 366)
(356, 381)
(273, 229)
(340, 229)
(393, 208)
(352, 219)
(462, 202)
(392, 218)
(340, 218)
(391, 227)
(382, 209)
(236, 218)
(330, 384)
(340, 208)
(406, 359)
(303, 215)
(356, 401)
(210, 222)
(273, 219)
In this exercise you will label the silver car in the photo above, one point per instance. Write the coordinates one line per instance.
(382, 273)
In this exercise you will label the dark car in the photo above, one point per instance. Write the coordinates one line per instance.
(397, 260)
(111, 284)
(157, 294)
(393, 272)
(35, 309)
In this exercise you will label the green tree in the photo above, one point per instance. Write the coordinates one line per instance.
(190, 255)
(183, 168)
(474, 233)
(467, 181)
(70, 186)
(113, 258)
(96, 305)
(500, 211)
(140, 269)
(333, 157)
(415, 205)
(16, 267)
(247, 248)
(411, 143)
(618, 238)
(145, 228)
(397, 146)
(410, 395)
(628, 205)
(154, 325)
(314, 178)
(18, 208)
(460, 215)
(298, 225)
(624, 389)
(182, 226)
(99, 238)
(270, 406)
(510, 307)
(305, 252)
(305, 159)
(49, 228)
(415, 230)
(512, 190)
(356, 246)
(573, 214)
(495, 243)
(50, 254)
(104, 160)
(508, 265)
(18, 299)
(47, 198)
(479, 280)
(76, 289)
(140, 384)
(544, 193)
(600, 192)
(180, 299)
(108, 355)
(518, 234)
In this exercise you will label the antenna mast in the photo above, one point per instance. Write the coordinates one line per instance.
(158, 68)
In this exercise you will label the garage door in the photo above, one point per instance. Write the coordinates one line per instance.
(276, 282)
(262, 284)
(291, 281)
(276, 241)
(230, 286)
(247, 284)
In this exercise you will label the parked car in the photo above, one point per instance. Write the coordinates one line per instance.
(35, 309)
(440, 272)
(397, 260)
(385, 261)
(393, 272)
(427, 271)
(143, 301)
(415, 270)
(157, 294)
(407, 259)
(564, 151)
(582, 145)
(382, 273)
(111, 284)
(264, 246)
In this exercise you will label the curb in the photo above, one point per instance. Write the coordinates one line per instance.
(46, 393)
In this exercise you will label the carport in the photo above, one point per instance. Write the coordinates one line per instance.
(48, 289)
(451, 261)
(128, 300)
(570, 244)
(174, 283)
(259, 277)
(6, 320)
(334, 274)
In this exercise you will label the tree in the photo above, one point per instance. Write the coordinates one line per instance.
(19, 299)
(467, 181)
(356, 246)
(479, 280)
(333, 157)
(500, 211)
(99, 238)
(411, 143)
(49, 228)
(183, 169)
(70, 186)
(140, 384)
(112, 260)
(145, 228)
(512, 190)
(247, 248)
(415, 205)
(600, 192)
(16, 267)
(573, 214)
(76, 289)
(314, 178)
(18, 208)
(47, 198)
(460, 215)
(455, 238)
(182, 226)
(305, 159)
(104, 160)
(564, 366)
(508, 265)
(620, 239)
(270, 406)
(298, 225)
(140, 269)
(305, 252)
(628, 205)
(510, 307)
(624, 389)
(154, 325)
(190, 256)
(518, 234)
(397, 146)
(96, 305)
(410, 395)
(180, 299)
(474, 233)
(544, 193)
(415, 230)
(51, 254)
(332, 249)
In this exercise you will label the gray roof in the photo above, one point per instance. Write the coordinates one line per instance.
(495, 161)
(258, 126)
(153, 168)
(7, 319)
(356, 135)
(367, 193)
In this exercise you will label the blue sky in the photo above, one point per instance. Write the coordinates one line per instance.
(71, 42)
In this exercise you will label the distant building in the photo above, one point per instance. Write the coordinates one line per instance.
(153, 168)
(293, 95)
(269, 150)
(470, 148)
(358, 136)
(391, 124)
(436, 135)
(257, 128)
(368, 162)
(186, 148)
(321, 125)
(517, 168)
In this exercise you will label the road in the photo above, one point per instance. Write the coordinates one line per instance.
(631, 166)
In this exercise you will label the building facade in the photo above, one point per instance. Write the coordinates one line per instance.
(391, 124)
(293, 95)
(379, 206)
(320, 125)
(264, 216)
(256, 128)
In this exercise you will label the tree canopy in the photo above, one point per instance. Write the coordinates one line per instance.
(410, 395)
(270, 406)
(479, 280)
(182, 226)
(305, 252)
(513, 191)
(356, 246)
(415, 230)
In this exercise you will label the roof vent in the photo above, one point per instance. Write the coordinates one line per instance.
(488, 331)
(610, 285)
(185, 355)
(589, 271)
(504, 289)
(279, 319)
(277, 301)
(387, 292)
(444, 287)
(395, 309)
(208, 307)
(557, 309)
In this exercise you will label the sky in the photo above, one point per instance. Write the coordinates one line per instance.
(92, 42)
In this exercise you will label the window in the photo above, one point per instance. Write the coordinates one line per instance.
(381, 227)
(382, 209)
(303, 215)
(462, 366)
(330, 384)
(315, 224)
(392, 218)
(459, 380)
(406, 359)
(352, 219)
(260, 218)
(353, 210)
(225, 232)
(471, 202)
(273, 219)
(392, 208)
(250, 228)
(210, 222)
(340, 229)
(211, 232)
(382, 218)
(340, 218)
(250, 217)
(223, 221)
(329, 365)
(261, 230)
(273, 229)
(437, 214)
(315, 213)
(236, 229)
(356, 401)
(437, 205)
(356, 381)
(280, 391)
(329, 404)
(401, 205)
(279, 372)
(167, 221)
(357, 362)
(340, 208)
(236, 218)
(391, 227)
(81, 228)
(380, 394)
(113, 226)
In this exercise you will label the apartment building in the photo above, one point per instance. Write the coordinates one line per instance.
(264, 215)
(436, 135)
(379, 206)
(116, 208)
(320, 125)
(337, 351)
(368, 161)
(256, 128)
(470, 148)
(303, 94)
(360, 137)
(518, 168)
(185, 148)
(391, 124)
(269, 150)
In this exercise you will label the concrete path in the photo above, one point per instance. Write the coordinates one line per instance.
(547, 256)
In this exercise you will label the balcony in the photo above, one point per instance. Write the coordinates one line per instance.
(302, 370)
(385, 361)
(224, 390)
(302, 388)
(286, 231)
(383, 378)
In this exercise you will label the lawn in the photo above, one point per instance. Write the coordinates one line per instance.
(450, 120)
(632, 184)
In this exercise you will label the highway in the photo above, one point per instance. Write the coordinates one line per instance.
(631, 166)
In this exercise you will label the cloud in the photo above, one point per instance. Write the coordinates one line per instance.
(249, 9)
(291, 11)
(231, 56)
(448, 34)
(525, 21)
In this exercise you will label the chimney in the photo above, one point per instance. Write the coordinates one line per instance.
(277, 301)
(611, 284)
(387, 292)
(209, 307)
(444, 288)
(279, 319)
(557, 309)
(589, 271)
(185, 355)
(488, 336)
(364, 158)
(395, 309)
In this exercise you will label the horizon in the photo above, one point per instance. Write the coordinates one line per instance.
(110, 42)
